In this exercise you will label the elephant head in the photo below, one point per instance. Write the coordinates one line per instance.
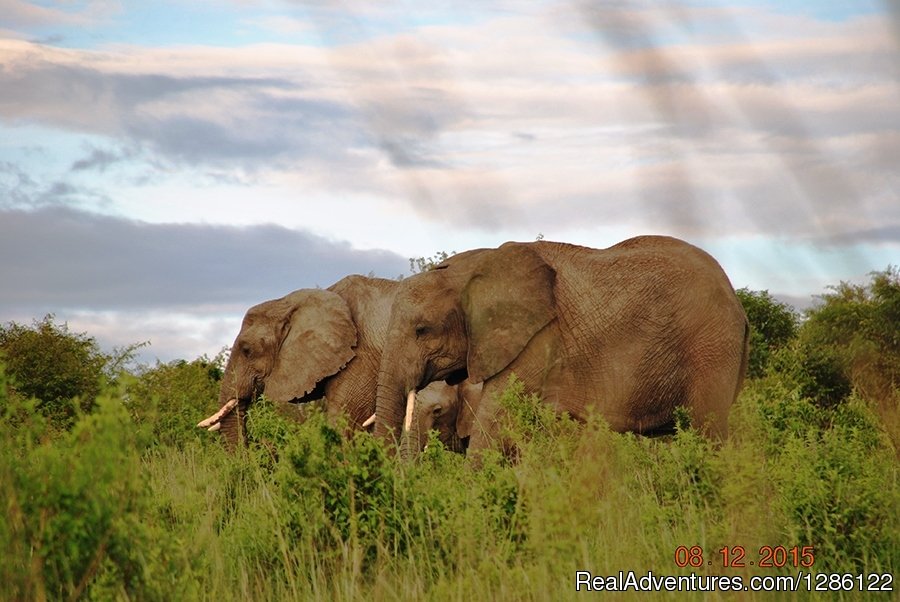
(446, 409)
(286, 348)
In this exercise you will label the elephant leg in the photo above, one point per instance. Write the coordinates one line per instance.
(541, 371)
(709, 400)
(490, 417)
(717, 380)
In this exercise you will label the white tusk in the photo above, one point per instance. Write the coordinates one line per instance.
(215, 427)
(410, 403)
(223, 411)
(369, 421)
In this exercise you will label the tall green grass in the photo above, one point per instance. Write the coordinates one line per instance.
(117, 508)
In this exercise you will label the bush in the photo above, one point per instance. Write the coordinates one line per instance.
(169, 399)
(418, 265)
(833, 476)
(61, 369)
(773, 325)
(79, 517)
(861, 323)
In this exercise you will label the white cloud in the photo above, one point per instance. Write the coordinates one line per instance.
(22, 14)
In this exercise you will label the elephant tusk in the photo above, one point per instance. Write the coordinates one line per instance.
(369, 421)
(223, 411)
(410, 403)
(215, 427)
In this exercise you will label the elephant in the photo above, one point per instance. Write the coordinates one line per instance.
(629, 332)
(310, 344)
(448, 414)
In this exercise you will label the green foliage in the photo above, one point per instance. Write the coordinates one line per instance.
(338, 490)
(62, 369)
(834, 473)
(772, 326)
(308, 512)
(860, 326)
(78, 521)
(822, 376)
(170, 398)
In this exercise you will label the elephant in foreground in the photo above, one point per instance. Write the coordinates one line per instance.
(310, 344)
(630, 332)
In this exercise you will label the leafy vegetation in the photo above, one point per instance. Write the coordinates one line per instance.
(130, 501)
(62, 370)
(773, 325)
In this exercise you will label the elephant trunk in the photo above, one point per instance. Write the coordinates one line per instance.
(230, 419)
(395, 395)
(399, 374)
(388, 412)
(233, 427)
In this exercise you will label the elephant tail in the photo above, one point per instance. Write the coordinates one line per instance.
(745, 360)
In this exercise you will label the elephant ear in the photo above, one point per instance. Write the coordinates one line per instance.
(318, 342)
(506, 302)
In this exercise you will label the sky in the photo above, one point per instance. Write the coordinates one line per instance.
(166, 165)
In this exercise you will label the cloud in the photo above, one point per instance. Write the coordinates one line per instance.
(100, 159)
(72, 259)
(246, 121)
(18, 13)
(782, 124)
(19, 190)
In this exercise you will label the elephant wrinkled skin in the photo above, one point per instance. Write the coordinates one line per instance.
(632, 332)
(310, 344)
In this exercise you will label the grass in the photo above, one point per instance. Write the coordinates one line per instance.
(117, 509)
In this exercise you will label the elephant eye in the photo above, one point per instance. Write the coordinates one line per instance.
(420, 331)
(245, 350)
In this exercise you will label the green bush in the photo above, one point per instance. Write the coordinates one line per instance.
(63, 370)
(338, 489)
(834, 477)
(860, 326)
(773, 325)
(169, 399)
(79, 519)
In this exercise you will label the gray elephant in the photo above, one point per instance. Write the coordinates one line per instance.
(310, 344)
(448, 414)
(631, 332)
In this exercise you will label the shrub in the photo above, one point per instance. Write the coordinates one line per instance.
(169, 399)
(61, 369)
(862, 323)
(418, 265)
(79, 516)
(772, 326)
(338, 489)
(845, 508)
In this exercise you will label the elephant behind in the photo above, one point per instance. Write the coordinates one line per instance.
(632, 332)
(310, 344)
(448, 414)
